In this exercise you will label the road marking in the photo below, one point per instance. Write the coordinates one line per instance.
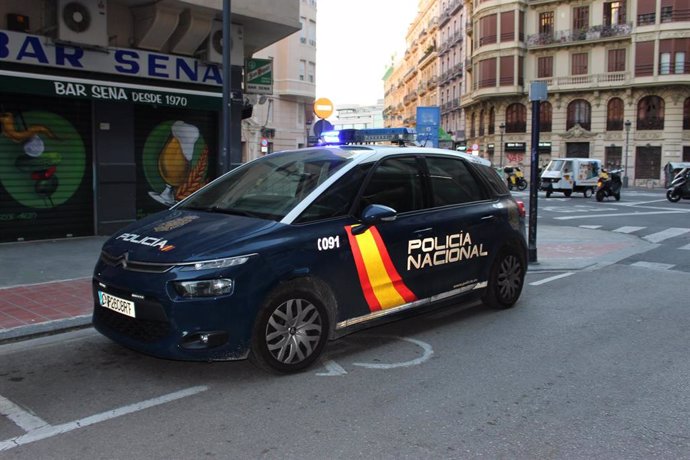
(49, 431)
(628, 229)
(666, 234)
(22, 418)
(686, 247)
(653, 265)
(428, 352)
(589, 216)
(552, 278)
(591, 227)
(333, 368)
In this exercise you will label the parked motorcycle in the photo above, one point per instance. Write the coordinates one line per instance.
(609, 184)
(680, 186)
(515, 178)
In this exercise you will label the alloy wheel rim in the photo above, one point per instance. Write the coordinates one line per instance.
(293, 331)
(509, 278)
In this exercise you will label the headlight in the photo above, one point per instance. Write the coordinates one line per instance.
(215, 264)
(204, 288)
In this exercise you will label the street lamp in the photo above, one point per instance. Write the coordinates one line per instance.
(627, 138)
(501, 127)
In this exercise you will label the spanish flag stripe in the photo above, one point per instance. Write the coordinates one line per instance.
(368, 292)
(393, 274)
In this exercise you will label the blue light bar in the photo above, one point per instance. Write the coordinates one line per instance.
(400, 136)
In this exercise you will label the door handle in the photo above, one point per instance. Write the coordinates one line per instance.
(489, 217)
(423, 231)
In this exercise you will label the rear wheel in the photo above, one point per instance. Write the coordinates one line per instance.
(522, 185)
(672, 197)
(600, 195)
(505, 280)
(290, 332)
(617, 196)
(567, 193)
(587, 192)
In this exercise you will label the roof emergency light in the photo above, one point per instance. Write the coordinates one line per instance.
(400, 136)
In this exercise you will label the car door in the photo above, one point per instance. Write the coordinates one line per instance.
(381, 252)
(465, 224)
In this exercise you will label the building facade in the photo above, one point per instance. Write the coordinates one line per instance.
(111, 109)
(354, 116)
(282, 120)
(617, 77)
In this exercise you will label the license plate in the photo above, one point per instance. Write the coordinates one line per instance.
(123, 306)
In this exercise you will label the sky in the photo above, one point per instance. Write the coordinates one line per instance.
(355, 40)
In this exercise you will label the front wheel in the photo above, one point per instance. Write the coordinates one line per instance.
(505, 280)
(672, 196)
(522, 185)
(600, 195)
(290, 332)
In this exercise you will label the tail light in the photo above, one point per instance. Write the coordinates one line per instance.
(521, 208)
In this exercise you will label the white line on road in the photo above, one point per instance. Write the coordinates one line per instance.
(589, 216)
(653, 265)
(590, 227)
(428, 353)
(49, 431)
(552, 278)
(666, 234)
(628, 229)
(686, 247)
(22, 418)
(333, 369)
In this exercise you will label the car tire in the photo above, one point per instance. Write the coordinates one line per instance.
(587, 192)
(567, 193)
(506, 279)
(548, 193)
(600, 195)
(672, 197)
(290, 331)
(617, 196)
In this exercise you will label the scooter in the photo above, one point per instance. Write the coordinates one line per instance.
(680, 187)
(516, 179)
(609, 184)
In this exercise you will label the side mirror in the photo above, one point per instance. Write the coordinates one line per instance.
(375, 214)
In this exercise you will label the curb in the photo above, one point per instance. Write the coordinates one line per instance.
(48, 328)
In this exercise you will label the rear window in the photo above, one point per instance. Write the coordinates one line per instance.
(498, 186)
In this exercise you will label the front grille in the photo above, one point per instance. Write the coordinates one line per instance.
(142, 330)
(151, 322)
(123, 261)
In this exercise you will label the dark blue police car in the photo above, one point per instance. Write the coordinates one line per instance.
(274, 258)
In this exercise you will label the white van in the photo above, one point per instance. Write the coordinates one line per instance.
(568, 175)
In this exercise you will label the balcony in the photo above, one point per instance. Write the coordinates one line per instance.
(568, 37)
(591, 81)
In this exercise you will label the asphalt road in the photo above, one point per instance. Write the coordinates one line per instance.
(589, 364)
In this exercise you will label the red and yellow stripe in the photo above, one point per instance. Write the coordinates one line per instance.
(381, 284)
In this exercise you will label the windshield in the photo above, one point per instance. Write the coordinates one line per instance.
(269, 187)
(555, 165)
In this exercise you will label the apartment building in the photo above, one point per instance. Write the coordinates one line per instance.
(282, 120)
(111, 110)
(617, 75)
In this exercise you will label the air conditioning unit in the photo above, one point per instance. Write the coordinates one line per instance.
(214, 46)
(82, 21)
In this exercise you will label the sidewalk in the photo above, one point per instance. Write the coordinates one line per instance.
(45, 286)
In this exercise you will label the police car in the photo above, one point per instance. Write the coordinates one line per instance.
(276, 257)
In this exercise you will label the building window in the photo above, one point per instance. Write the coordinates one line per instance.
(303, 30)
(492, 120)
(646, 12)
(686, 114)
(614, 115)
(546, 23)
(579, 113)
(516, 118)
(580, 19)
(680, 62)
(302, 69)
(579, 64)
(545, 117)
(481, 122)
(644, 59)
(614, 13)
(487, 30)
(650, 113)
(612, 156)
(312, 72)
(312, 32)
(616, 60)
(545, 67)
(664, 63)
(648, 162)
(508, 26)
(472, 124)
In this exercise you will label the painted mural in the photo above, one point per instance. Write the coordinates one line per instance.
(175, 158)
(43, 170)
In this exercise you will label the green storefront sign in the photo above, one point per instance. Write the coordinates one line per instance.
(108, 91)
(258, 76)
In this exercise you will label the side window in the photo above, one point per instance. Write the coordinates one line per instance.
(338, 199)
(452, 182)
(397, 183)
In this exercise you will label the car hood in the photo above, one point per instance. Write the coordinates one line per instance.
(179, 236)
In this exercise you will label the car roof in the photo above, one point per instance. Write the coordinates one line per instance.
(373, 153)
